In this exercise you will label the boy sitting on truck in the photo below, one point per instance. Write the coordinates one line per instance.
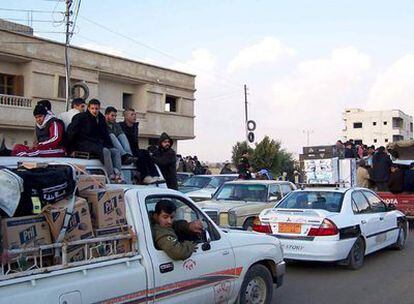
(170, 235)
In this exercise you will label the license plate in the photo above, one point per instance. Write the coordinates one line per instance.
(290, 228)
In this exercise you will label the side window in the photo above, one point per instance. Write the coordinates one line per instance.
(286, 189)
(376, 204)
(185, 211)
(360, 203)
(274, 192)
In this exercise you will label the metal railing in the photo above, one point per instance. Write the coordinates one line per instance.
(37, 260)
(15, 101)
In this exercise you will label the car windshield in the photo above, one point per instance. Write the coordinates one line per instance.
(329, 201)
(242, 192)
(197, 181)
(217, 181)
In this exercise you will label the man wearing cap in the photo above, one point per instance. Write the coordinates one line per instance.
(49, 135)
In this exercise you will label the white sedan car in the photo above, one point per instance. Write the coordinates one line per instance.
(334, 224)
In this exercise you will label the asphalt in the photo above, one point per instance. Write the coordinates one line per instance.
(387, 277)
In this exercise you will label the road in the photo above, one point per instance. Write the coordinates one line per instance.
(386, 277)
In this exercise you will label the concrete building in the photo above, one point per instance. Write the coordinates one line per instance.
(377, 127)
(32, 68)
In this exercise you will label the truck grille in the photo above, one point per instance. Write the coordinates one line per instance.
(214, 215)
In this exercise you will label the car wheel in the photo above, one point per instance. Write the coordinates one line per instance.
(356, 256)
(248, 225)
(257, 286)
(402, 237)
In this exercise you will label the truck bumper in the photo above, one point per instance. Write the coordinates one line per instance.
(280, 272)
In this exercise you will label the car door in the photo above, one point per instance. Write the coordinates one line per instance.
(368, 221)
(202, 278)
(387, 223)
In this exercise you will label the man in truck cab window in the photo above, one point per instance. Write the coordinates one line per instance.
(174, 237)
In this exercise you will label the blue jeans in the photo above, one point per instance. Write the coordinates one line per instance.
(121, 144)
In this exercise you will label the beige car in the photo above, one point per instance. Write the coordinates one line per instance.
(236, 204)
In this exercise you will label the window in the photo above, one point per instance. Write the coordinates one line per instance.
(329, 201)
(375, 140)
(385, 123)
(357, 125)
(397, 138)
(374, 123)
(170, 103)
(386, 140)
(11, 85)
(286, 189)
(411, 127)
(185, 211)
(360, 203)
(274, 193)
(376, 204)
(127, 101)
(62, 87)
(153, 141)
(242, 192)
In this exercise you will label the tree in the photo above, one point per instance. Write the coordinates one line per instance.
(237, 151)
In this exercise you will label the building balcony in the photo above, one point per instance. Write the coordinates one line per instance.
(16, 112)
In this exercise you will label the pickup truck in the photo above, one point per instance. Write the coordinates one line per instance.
(227, 267)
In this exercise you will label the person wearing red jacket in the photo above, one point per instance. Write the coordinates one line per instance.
(49, 135)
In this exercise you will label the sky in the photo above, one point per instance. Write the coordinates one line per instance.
(303, 61)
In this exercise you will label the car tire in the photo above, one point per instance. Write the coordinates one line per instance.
(248, 224)
(356, 255)
(402, 237)
(257, 286)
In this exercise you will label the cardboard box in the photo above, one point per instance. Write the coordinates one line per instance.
(25, 232)
(107, 207)
(80, 225)
(122, 246)
(90, 182)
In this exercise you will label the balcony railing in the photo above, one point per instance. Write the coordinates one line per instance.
(15, 101)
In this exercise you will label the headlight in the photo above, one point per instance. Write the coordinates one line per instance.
(224, 219)
(232, 218)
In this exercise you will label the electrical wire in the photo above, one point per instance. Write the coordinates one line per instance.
(25, 10)
(21, 20)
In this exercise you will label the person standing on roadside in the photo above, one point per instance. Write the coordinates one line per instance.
(165, 158)
(381, 164)
(243, 167)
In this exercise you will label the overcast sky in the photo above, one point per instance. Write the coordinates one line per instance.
(303, 61)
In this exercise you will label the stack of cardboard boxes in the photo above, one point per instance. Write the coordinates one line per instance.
(98, 211)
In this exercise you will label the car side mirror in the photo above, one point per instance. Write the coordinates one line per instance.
(391, 207)
(207, 239)
(274, 199)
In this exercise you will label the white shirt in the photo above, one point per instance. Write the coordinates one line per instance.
(66, 117)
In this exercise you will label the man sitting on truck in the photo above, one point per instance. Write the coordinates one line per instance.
(49, 136)
(173, 236)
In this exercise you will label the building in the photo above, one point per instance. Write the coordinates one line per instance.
(32, 68)
(377, 128)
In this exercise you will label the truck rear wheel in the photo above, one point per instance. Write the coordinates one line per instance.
(257, 287)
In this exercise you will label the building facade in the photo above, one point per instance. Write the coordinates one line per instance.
(32, 68)
(377, 128)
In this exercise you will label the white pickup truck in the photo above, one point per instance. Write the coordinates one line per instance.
(228, 266)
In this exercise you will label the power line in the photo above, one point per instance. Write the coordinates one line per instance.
(24, 10)
(155, 49)
(18, 19)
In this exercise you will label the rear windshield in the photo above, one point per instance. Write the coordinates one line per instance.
(242, 192)
(197, 181)
(329, 201)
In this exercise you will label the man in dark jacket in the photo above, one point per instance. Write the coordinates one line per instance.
(381, 164)
(145, 164)
(88, 133)
(165, 158)
(243, 167)
(396, 181)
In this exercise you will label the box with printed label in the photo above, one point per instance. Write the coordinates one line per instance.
(90, 182)
(80, 225)
(122, 246)
(107, 207)
(25, 232)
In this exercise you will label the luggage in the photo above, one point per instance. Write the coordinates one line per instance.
(43, 186)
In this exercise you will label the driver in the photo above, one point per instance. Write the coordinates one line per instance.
(174, 236)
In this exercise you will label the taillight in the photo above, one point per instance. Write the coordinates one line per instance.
(325, 229)
(258, 226)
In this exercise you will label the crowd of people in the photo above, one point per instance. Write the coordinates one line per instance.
(376, 169)
(85, 131)
(191, 164)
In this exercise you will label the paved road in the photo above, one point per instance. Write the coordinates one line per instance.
(387, 277)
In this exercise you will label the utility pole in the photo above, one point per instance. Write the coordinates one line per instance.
(246, 110)
(68, 13)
